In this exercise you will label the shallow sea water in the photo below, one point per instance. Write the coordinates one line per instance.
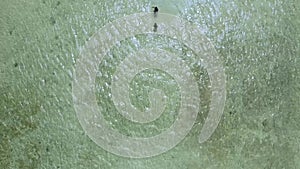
(257, 42)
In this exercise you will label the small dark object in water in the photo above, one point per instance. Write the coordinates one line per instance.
(155, 9)
(155, 27)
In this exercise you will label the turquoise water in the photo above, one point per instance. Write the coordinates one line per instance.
(257, 41)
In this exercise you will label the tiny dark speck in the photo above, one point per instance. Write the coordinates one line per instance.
(58, 3)
(155, 27)
(16, 64)
(47, 149)
(232, 112)
(10, 32)
(52, 20)
(265, 122)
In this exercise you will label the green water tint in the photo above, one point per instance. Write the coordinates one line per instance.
(260, 127)
(145, 82)
(89, 113)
